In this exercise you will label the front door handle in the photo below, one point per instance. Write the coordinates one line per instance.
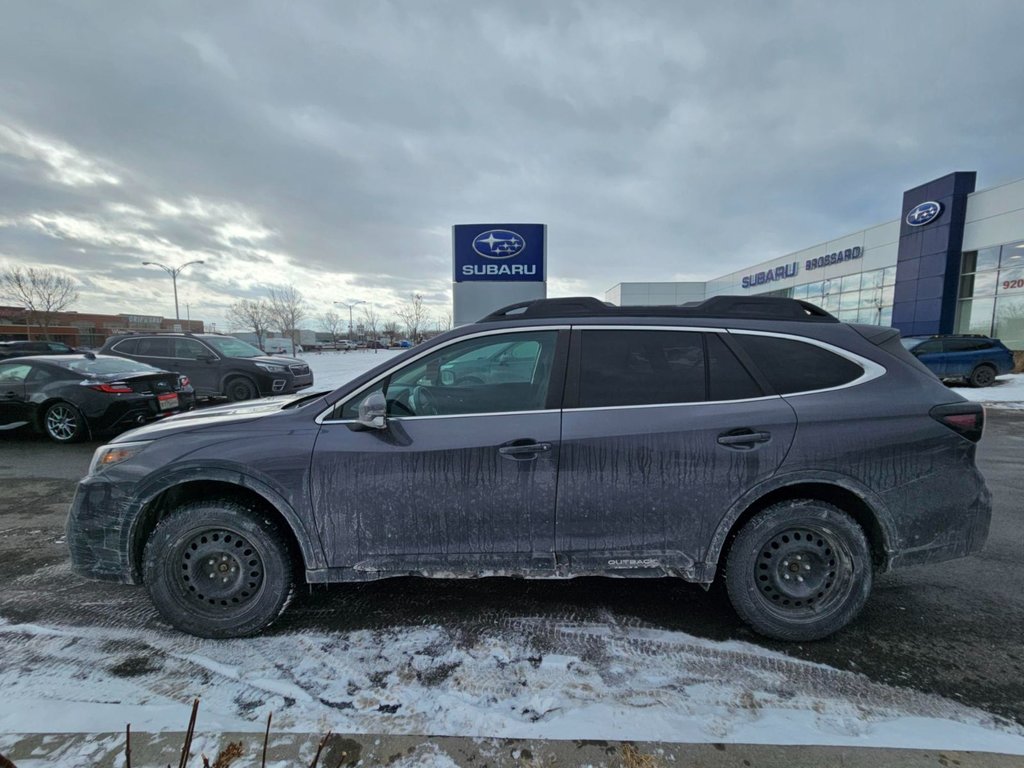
(524, 451)
(743, 439)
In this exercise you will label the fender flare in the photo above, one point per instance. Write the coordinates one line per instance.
(871, 500)
(310, 546)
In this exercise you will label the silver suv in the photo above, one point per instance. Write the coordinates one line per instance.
(754, 440)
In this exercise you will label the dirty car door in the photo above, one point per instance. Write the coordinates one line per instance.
(461, 479)
(663, 430)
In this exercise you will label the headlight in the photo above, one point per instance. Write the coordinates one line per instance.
(271, 368)
(109, 455)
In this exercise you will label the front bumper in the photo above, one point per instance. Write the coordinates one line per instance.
(98, 532)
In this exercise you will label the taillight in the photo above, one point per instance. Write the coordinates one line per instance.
(182, 382)
(113, 388)
(966, 419)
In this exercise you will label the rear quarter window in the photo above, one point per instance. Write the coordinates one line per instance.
(796, 366)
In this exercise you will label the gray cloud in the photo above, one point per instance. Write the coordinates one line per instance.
(333, 145)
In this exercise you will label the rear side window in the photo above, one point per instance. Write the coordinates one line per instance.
(796, 366)
(727, 378)
(966, 345)
(127, 347)
(619, 368)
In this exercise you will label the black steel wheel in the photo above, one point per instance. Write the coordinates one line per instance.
(240, 388)
(63, 423)
(217, 569)
(799, 570)
(983, 376)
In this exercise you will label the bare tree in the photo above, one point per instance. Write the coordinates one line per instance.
(251, 315)
(369, 319)
(391, 330)
(287, 311)
(41, 292)
(444, 321)
(332, 322)
(412, 314)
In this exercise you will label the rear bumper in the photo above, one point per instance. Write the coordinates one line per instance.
(950, 523)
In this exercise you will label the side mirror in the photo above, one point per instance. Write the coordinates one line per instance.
(205, 358)
(373, 411)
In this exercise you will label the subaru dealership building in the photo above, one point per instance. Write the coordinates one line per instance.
(953, 262)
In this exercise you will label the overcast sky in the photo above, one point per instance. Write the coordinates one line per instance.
(333, 145)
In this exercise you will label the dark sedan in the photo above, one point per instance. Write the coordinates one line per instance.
(72, 397)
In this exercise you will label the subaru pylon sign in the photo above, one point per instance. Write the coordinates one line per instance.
(498, 253)
(495, 265)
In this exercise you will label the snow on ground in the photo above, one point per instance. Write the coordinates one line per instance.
(519, 678)
(1007, 392)
(332, 369)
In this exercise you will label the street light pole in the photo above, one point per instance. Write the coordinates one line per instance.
(349, 304)
(174, 278)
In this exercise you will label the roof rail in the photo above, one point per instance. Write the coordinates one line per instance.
(747, 307)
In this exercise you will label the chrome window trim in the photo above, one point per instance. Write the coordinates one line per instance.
(322, 417)
(452, 416)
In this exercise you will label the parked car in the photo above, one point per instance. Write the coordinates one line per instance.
(974, 359)
(758, 441)
(10, 349)
(72, 397)
(217, 365)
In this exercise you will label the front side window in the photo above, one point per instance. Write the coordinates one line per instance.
(637, 367)
(499, 373)
(189, 349)
(795, 366)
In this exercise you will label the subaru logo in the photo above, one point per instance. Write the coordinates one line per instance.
(922, 213)
(498, 244)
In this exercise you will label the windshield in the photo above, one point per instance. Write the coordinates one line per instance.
(103, 366)
(235, 347)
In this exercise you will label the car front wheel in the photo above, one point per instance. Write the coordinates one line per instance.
(239, 389)
(217, 569)
(799, 570)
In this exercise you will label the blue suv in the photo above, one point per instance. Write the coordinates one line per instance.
(974, 359)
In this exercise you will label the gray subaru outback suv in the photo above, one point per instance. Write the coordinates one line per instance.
(755, 440)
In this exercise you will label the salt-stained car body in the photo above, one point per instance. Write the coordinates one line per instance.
(755, 440)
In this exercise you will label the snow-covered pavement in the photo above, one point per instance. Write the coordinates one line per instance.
(520, 678)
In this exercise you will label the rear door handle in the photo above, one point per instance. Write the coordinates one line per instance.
(743, 438)
(524, 451)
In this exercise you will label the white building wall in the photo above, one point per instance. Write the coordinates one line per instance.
(995, 216)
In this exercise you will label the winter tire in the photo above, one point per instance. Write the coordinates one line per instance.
(799, 570)
(239, 389)
(63, 423)
(217, 569)
(983, 376)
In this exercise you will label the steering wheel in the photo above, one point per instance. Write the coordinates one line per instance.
(421, 402)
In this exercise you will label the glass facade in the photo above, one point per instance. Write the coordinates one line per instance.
(991, 300)
(865, 297)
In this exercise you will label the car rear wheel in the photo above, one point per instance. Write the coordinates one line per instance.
(799, 570)
(983, 376)
(63, 423)
(217, 569)
(241, 389)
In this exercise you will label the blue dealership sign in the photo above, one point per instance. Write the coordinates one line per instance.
(499, 252)
(923, 213)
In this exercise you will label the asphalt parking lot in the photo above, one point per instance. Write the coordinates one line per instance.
(953, 629)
